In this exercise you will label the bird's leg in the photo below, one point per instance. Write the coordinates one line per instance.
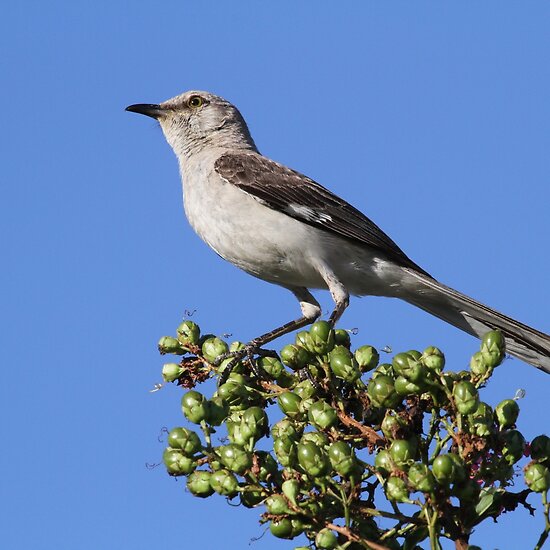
(339, 294)
(310, 311)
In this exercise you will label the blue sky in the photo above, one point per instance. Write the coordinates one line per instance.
(431, 117)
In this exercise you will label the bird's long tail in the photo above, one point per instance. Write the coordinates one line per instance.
(522, 341)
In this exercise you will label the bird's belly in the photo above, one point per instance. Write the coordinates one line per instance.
(276, 247)
(253, 237)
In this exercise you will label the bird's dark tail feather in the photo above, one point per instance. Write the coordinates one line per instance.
(522, 341)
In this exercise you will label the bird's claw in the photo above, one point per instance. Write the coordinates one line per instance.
(249, 351)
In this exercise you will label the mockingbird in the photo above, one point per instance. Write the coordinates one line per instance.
(285, 228)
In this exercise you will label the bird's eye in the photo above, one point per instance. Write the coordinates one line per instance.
(195, 101)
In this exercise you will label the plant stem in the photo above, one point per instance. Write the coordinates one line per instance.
(544, 535)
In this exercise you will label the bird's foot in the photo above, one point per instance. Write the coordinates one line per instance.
(247, 351)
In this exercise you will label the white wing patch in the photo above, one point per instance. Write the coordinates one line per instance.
(307, 213)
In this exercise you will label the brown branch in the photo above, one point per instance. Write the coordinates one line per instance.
(373, 438)
(352, 536)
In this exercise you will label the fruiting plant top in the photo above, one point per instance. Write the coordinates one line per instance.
(366, 454)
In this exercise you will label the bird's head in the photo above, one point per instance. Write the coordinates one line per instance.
(195, 120)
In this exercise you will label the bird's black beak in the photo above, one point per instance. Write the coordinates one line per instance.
(148, 109)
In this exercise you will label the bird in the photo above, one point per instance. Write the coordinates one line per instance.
(283, 227)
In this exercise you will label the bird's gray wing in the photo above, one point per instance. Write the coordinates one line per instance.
(300, 197)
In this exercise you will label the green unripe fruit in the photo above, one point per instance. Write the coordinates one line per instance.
(216, 411)
(322, 415)
(171, 372)
(342, 458)
(460, 471)
(481, 421)
(321, 339)
(344, 365)
(271, 366)
(537, 478)
(185, 440)
(282, 528)
(296, 357)
(285, 451)
(233, 393)
(384, 368)
(305, 389)
(276, 505)
(421, 478)
(194, 406)
(402, 452)
(213, 347)
(319, 438)
(326, 539)
(396, 489)
(507, 412)
(286, 429)
(291, 489)
(198, 484)
(167, 344)
(342, 338)
(367, 358)
(381, 392)
(433, 359)
(251, 499)
(540, 448)
(268, 465)
(188, 333)
(493, 348)
(236, 459)
(237, 346)
(478, 365)
(254, 423)
(177, 464)
(312, 459)
(408, 365)
(466, 397)
(403, 386)
(514, 445)
(224, 483)
(444, 469)
(289, 403)
(383, 462)
(392, 424)
(286, 380)
(302, 338)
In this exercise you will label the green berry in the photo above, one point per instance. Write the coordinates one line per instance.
(224, 483)
(198, 483)
(194, 406)
(177, 463)
(213, 347)
(507, 412)
(367, 358)
(167, 344)
(344, 365)
(322, 415)
(466, 397)
(396, 489)
(540, 448)
(188, 333)
(171, 372)
(537, 478)
(381, 392)
(185, 440)
(289, 403)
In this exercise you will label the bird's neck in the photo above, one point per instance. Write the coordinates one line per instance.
(222, 139)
